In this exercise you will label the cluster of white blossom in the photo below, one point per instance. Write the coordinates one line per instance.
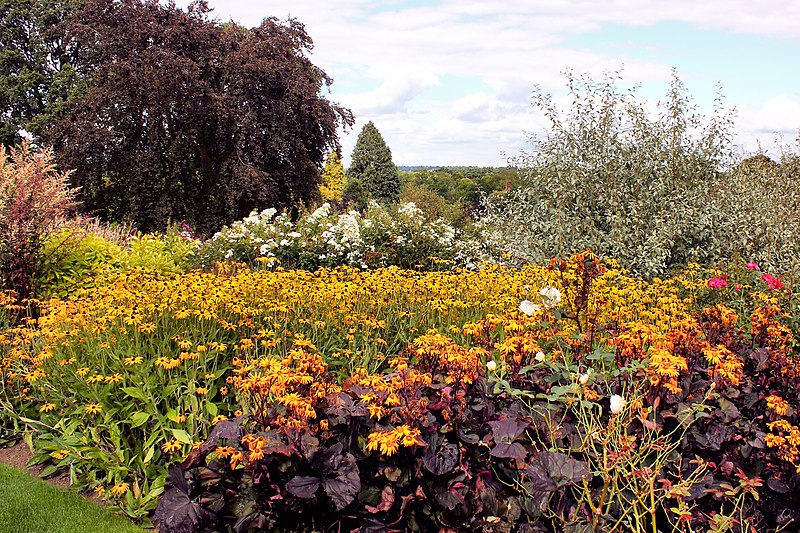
(325, 237)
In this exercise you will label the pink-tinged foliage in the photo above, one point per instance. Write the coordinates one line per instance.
(34, 197)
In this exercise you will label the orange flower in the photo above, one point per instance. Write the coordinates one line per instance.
(171, 446)
(119, 489)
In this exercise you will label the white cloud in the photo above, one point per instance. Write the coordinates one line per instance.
(779, 115)
(770, 127)
(511, 45)
(397, 88)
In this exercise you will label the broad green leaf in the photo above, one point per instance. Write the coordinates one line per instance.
(182, 436)
(134, 392)
(139, 419)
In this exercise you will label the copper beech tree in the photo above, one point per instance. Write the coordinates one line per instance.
(186, 118)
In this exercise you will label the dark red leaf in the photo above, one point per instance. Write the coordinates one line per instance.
(303, 486)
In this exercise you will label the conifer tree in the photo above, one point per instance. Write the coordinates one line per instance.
(372, 165)
(332, 185)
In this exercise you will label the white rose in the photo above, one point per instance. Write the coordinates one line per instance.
(539, 356)
(528, 307)
(617, 403)
(491, 366)
(584, 378)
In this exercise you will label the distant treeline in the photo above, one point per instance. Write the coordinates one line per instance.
(459, 186)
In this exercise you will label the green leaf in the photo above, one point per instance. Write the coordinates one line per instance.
(139, 419)
(211, 409)
(48, 471)
(149, 455)
(182, 436)
(134, 392)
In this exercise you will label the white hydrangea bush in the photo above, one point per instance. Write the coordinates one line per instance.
(382, 237)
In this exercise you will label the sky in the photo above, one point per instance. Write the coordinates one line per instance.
(449, 82)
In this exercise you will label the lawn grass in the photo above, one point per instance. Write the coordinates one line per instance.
(29, 505)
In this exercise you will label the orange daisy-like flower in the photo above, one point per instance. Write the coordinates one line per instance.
(777, 404)
(46, 408)
(388, 442)
(171, 446)
(119, 489)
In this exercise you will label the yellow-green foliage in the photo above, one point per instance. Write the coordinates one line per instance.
(73, 259)
(158, 252)
(333, 179)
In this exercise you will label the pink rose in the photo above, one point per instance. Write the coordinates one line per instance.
(751, 266)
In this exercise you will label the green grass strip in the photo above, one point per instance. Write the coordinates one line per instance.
(29, 505)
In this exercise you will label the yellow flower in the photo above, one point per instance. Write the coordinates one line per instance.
(99, 490)
(92, 408)
(131, 361)
(171, 446)
(119, 489)
(223, 452)
(59, 454)
(201, 391)
(774, 441)
(147, 328)
(219, 418)
(46, 408)
(388, 442)
(115, 378)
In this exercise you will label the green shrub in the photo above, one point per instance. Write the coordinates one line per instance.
(170, 252)
(76, 257)
(73, 259)
(650, 191)
(433, 205)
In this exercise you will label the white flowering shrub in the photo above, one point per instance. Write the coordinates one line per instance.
(400, 236)
(611, 177)
(652, 190)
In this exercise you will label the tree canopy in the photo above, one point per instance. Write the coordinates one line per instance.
(36, 72)
(333, 179)
(186, 118)
(372, 165)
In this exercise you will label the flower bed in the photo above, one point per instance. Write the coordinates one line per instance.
(550, 398)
